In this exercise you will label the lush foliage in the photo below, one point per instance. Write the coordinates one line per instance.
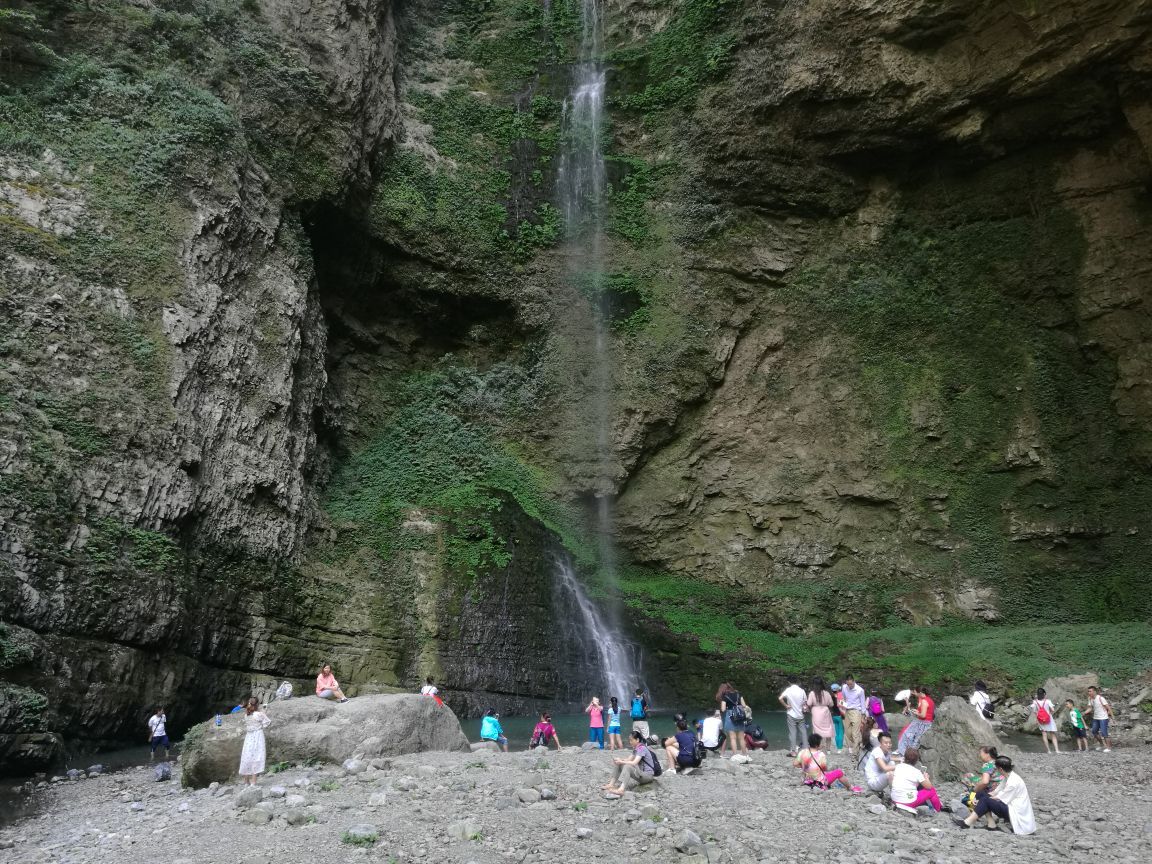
(1022, 656)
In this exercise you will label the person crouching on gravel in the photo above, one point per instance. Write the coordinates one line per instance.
(640, 770)
(681, 748)
(1010, 800)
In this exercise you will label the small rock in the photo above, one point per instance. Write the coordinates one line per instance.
(184, 807)
(355, 766)
(74, 774)
(362, 833)
(688, 841)
(381, 764)
(528, 796)
(404, 784)
(740, 759)
(547, 794)
(162, 772)
(463, 830)
(95, 770)
(249, 796)
(583, 833)
(212, 787)
(299, 782)
(377, 799)
(650, 812)
(256, 816)
(275, 792)
(136, 806)
(631, 815)
(299, 817)
(878, 809)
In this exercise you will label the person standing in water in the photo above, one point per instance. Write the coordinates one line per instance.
(158, 732)
(595, 722)
(253, 754)
(614, 740)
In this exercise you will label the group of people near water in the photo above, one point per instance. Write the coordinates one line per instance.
(842, 713)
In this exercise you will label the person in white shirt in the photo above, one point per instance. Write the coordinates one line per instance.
(855, 709)
(912, 787)
(1101, 714)
(981, 701)
(710, 731)
(1045, 713)
(879, 767)
(795, 700)
(1010, 800)
(158, 732)
(429, 688)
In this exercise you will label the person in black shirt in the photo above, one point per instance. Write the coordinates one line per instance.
(681, 748)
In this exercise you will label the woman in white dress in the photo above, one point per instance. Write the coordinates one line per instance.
(1045, 713)
(252, 756)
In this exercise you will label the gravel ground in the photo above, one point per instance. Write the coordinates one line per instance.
(487, 807)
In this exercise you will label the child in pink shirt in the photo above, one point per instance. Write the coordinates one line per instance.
(596, 722)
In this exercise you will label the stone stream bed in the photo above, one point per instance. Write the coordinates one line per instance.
(547, 807)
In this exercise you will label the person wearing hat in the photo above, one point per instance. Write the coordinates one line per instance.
(837, 716)
(490, 730)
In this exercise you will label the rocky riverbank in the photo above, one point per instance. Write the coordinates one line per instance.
(546, 807)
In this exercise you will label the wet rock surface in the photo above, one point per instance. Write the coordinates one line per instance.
(469, 807)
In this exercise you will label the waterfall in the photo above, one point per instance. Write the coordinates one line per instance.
(596, 637)
(580, 183)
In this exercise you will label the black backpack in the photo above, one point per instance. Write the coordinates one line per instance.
(657, 768)
(737, 714)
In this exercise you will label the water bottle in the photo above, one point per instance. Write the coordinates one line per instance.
(219, 720)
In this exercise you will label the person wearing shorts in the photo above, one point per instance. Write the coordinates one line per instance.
(158, 732)
(1101, 715)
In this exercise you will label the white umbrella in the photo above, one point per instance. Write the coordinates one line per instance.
(903, 695)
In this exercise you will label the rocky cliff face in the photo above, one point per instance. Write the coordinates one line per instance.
(296, 367)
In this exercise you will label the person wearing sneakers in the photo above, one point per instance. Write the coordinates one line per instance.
(911, 787)
(1101, 714)
(327, 687)
(1045, 713)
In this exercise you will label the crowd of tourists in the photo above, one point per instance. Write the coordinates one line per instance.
(842, 714)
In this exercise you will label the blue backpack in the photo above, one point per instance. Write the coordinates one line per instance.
(638, 712)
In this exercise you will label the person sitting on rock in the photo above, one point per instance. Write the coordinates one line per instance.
(681, 748)
(878, 765)
(911, 787)
(812, 761)
(544, 732)
(490, 730)
(1009, 801)
(327, 687)
(627, 774)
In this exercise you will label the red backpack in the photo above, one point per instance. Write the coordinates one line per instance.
(1042, 715)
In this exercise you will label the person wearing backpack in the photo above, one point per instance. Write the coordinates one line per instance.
(639, 714)
(736, 717)
(1101, 714)
(643, 768)
(1045, 713)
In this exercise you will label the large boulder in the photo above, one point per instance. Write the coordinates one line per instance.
(951, 748)
(317, 729)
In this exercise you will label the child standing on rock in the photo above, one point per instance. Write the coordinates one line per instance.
(1079, 727)
(614, 741)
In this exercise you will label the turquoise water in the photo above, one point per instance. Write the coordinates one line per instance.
(573, 729)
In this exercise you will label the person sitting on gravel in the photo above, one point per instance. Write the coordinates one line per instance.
(1008, 801)
(911, 787)
(878, 766)
(681, 748)
(490, 730)
(812, 761)
(544, 732)
(984, 780)
(639, 770)
(754, 737)
(327, 687)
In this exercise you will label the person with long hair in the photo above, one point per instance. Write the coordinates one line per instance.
(636, 771)
(921, 720)
(327, 687)
(544, 732)
(820, 702)
(736, 715)
(595, 714)
(253, 754)
(613, 712)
